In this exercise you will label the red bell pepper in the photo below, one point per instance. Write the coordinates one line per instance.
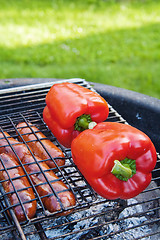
(71, 109)
(116, 159)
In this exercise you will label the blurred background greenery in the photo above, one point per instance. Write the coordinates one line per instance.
(106, 41)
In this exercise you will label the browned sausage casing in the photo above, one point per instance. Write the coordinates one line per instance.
(50, 202)
(21, 182)
(20, 149)
(37, 148)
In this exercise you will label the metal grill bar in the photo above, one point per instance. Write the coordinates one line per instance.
(40, 171)
(26, 174)
(63, 176)
(93, 216)
(98, 226)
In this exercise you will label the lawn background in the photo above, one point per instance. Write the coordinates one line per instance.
(111, 42)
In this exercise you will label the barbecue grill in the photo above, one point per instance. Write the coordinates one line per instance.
(93, 217)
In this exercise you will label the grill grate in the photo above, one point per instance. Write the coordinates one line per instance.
(93, 217)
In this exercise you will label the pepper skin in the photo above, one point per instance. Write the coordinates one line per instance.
(70, 108)
(99, 151)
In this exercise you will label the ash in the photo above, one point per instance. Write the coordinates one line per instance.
(104, 221)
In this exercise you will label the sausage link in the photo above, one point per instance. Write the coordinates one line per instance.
(20, 149)
(37, 147)
(21, 184)
(51, 203)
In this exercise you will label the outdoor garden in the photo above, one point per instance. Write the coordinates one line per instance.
(106, 41)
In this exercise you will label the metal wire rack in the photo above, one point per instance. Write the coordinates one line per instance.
(92, 217)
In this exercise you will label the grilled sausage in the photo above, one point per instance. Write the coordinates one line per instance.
(37, 147)
(50, 202)
(21, 184)
(65, 196)
(5, 146)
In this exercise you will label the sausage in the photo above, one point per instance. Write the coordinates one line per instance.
(51, 203)
(21, 184)
(20, 149)
(37, 147)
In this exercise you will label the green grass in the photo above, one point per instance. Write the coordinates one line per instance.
(111, 42)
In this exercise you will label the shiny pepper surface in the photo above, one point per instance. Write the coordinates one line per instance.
(71, 108)
(116, 159)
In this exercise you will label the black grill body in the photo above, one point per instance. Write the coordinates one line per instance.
(93, 217)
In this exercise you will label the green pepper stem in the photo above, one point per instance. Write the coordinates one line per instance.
(84, 122)
(121, 169)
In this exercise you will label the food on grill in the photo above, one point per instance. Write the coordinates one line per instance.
(116, 159)
(50, 201)
(14, 180)
(45, 181)
(12, 147)
(71, 109)
(40, 145)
